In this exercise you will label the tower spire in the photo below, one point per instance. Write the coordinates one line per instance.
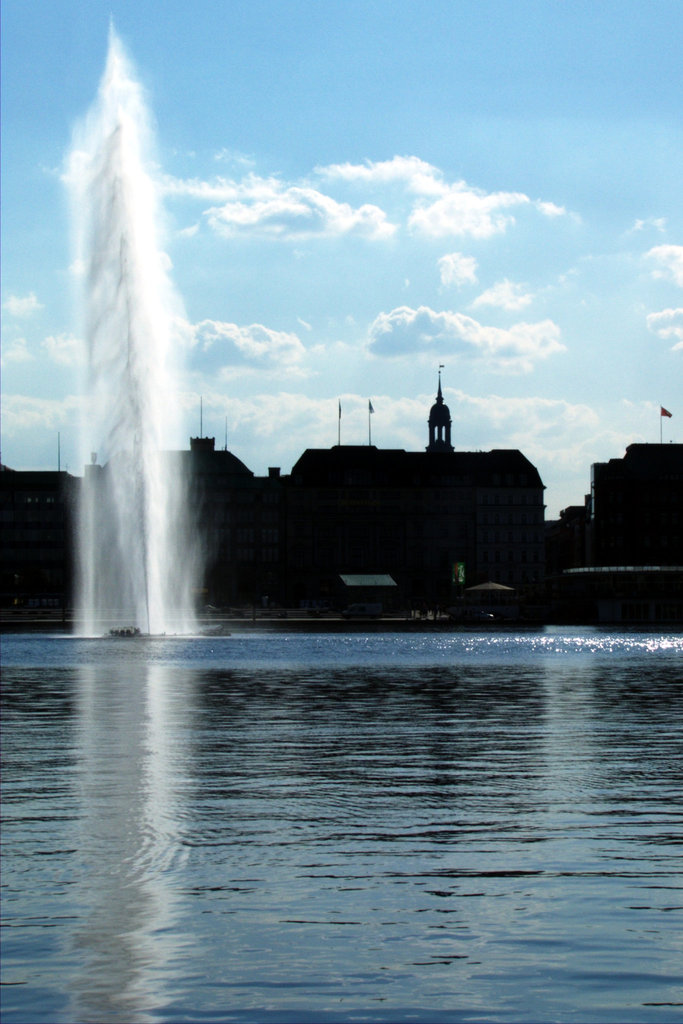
(439, 423)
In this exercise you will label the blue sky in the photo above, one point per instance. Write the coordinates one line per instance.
(355, 193)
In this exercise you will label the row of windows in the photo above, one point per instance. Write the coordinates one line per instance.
(242, 496)
(657, 493)
(33, 529)
(658, 518)
(512, 556)
(516, 498)
(522, 537)
(35, 499)
(35, 519)
(510, 518)
(246, 554)
(33, 554)
(644, 540)
(247, 535)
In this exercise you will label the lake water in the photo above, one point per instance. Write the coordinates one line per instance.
(384, 827)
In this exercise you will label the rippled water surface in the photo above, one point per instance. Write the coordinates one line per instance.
(382, 827)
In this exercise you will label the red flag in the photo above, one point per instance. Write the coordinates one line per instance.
(664, 412)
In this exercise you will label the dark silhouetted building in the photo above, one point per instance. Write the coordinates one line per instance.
(37, 511)
(414, 516)
(428, 524)
(620, 559)
(240, 521)
(637, 507)
(567, 539)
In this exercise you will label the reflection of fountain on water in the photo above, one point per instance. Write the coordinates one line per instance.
(135, 561)
(129, 843)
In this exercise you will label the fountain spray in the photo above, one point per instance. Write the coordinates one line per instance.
(136, 563)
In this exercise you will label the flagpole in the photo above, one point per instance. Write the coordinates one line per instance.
(660, 424)
(339, 426)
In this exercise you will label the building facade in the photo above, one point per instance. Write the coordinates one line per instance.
(433, 521)
(636, 510)
(239, 520)
(415, 516)
(620, 557)
(37, 522)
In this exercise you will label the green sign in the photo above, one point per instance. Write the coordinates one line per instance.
(458, 572)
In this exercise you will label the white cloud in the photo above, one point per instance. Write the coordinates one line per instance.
(278, 426)
(466, 211)
(668, 324)
(417, 175)
(26, 413)
(550, 209)
(454, 268)
(254, 345)
(658, 223)
(233, 157)
(16, 351)
(422, 179)
(505, 294)
(517, 348)
(64, 349)
(22, 306)
(543, 428)
(299, 212)
(216, 190)
(271, 207)
(669, 260)
(268, 207)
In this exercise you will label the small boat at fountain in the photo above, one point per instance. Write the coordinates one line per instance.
(126, 631)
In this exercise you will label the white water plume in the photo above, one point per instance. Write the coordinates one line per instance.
(136, 567)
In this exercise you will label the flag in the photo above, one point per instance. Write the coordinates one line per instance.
(370, 409)
(340, 409)
(665, 412)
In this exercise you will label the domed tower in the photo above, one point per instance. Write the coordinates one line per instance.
(439, 424)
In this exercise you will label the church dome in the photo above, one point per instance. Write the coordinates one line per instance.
(439, 414)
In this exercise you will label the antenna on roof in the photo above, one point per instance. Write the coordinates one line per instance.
(226, 434)
(201, 416)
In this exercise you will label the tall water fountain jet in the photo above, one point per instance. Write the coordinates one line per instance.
(136, 566)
